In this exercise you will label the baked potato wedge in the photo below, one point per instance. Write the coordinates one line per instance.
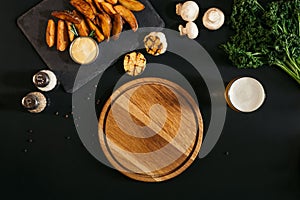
(98, 5)
(84, 8)
(50, 33)
(112, 1)
(117, 26)
(82, 28)
(62, 41)
(93, 6)
(104, 21)
(133, 5)
(98, 35)
(128, 16)
(108, 8)
(67, 16)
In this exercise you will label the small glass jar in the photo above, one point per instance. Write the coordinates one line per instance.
(45, 80)
(35, 102)
(84, 50)
(245, 94)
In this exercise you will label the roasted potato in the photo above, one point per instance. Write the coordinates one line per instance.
(99, 36)
(84, 8)
(133, 5)
(93, 6)
(67, 16)
(105, 24)
(112, 1)
(117, 26)
(98, 5)
(50, 33)
(82, 28)
(128, 16)
(108, 8)
(105, 18)
(62, 36)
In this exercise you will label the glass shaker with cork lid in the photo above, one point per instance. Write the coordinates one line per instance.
(35, 102)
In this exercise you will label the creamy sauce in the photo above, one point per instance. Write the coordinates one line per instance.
(246, 94)
(84, 50)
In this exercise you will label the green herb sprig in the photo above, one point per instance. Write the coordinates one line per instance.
(74, 31)
(92, 34)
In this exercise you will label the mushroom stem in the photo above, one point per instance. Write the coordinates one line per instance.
(182, 30)
(178, 8)
(191, 30)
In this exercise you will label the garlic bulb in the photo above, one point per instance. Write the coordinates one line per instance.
(134, 63)
(191, 30)
(155, 43)
(213, 19)
(189, 10)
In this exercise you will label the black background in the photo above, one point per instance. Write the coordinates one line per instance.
(263, 159)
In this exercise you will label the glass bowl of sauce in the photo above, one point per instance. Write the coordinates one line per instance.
(84, 50)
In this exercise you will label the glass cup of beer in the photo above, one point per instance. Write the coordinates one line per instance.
(245, 94)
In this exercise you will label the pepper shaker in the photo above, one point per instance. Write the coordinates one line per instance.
(45, 80)
(35, 102)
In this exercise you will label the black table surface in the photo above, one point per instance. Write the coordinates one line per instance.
(42, 157)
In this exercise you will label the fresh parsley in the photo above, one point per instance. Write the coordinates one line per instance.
(265, 34)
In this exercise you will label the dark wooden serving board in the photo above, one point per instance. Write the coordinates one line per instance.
(33, 24)
(151, 129)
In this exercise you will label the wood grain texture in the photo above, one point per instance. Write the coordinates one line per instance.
(150, 129)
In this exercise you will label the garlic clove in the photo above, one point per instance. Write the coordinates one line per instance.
(191, 30)
(182, 30)
(213, 19)
(189, 11)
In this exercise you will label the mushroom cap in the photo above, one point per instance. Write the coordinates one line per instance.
(189, 11)
(192, 30)
(213, 19)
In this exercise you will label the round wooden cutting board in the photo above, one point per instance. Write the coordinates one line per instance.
(150, 129)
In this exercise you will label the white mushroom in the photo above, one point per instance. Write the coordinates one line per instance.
(213, 19)
(189, 10)
(191, 30)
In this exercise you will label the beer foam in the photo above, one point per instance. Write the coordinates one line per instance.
(246, 94)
